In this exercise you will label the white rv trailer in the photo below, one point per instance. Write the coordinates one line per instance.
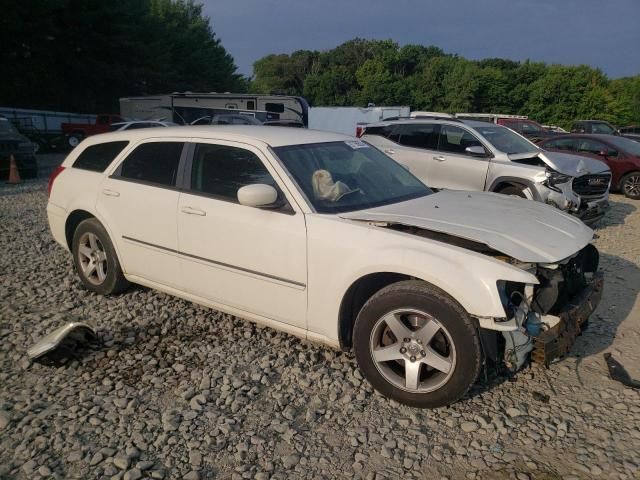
(184, 108)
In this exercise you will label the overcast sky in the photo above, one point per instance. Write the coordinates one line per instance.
(600, 33)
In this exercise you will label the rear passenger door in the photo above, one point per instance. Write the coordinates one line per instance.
(138, 201)
(453, 166)
(250, 259)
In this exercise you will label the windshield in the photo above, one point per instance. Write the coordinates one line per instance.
(346, 176)
(626, 145)
(7, 127)
(506, 140)
(602, 128)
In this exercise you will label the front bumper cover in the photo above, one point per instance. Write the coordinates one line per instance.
(594, 211)
(558, 340)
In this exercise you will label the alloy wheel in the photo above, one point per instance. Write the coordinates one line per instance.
(413, 351)
(92, 258)
(632, 186)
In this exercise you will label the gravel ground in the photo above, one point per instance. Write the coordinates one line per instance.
(177, 391)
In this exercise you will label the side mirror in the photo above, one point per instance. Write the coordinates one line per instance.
(257, 195)
(476, 151)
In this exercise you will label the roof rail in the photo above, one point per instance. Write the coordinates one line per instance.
(490, 115)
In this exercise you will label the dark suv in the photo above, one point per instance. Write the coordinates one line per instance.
(13, 143)
(593, 126)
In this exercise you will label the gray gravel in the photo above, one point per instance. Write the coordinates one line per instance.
(174, 390)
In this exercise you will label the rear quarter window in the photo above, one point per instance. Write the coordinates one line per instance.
(97, 158)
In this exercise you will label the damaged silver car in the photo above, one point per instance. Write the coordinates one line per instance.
(473, 155)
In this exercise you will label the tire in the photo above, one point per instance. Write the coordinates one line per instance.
(515, 190)
(630, 185)
(74, 140)
(427, 316)
(95, 260)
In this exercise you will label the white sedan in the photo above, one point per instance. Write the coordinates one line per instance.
(325, 237)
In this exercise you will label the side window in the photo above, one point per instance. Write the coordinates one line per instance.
(456, 140)
(593, 147)
(97, 158)
(154, 162)
(251, 105)
(220, 170)
(383, 131)
(528, 127)
(512, 124)
(419, 135)
(102, 120)
(590, 146)
(561, 144)
(274, 107)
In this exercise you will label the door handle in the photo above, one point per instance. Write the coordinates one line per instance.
(390, 151)
(439, 158)
(110, 193)
(193, 211)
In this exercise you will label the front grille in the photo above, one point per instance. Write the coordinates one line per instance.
(591, 185)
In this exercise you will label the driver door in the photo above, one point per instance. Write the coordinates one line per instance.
(252, 259)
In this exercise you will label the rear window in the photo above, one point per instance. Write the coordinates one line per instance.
(97, 158)
(155, 163)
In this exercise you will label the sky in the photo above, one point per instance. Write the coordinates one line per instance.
(600, 33)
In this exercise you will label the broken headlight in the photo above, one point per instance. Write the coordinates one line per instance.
(555, 179)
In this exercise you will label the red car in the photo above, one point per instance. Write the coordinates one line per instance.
(76, 132)
(620, 154)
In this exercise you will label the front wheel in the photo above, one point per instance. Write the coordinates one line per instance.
(417, 345)
(631, 185)
(74, 140)
(95, 259)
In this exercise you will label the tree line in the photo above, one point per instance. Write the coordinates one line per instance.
(360, 72)
(82, 56)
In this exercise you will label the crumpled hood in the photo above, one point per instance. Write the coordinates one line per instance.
(523, 229)
(567, 163)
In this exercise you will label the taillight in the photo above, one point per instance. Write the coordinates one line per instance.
(360, 130)
(57, 171)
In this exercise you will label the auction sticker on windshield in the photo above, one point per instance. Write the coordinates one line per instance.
(355, 144)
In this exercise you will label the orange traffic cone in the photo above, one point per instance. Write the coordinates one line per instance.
(14, 175)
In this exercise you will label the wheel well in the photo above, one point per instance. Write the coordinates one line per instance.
(73, 220)
(356, 296)
(502, 185)
(625, 176)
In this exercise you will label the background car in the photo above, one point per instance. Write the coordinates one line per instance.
(478, 155)
(593, 126)
(622, 155)
(631, 132)
(135, 124)
(22, 149)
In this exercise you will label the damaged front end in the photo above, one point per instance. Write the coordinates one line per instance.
(546, 319)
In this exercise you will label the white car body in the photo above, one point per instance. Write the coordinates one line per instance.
(292, 271)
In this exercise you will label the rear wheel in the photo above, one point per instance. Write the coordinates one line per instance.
(630, 185)
(417, 345)
(95, 259)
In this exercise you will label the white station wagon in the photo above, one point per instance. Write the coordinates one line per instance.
(327, 238)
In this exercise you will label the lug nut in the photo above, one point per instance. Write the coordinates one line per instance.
(407, 340)
(423, 353)
(403, 350)
(413, 358)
